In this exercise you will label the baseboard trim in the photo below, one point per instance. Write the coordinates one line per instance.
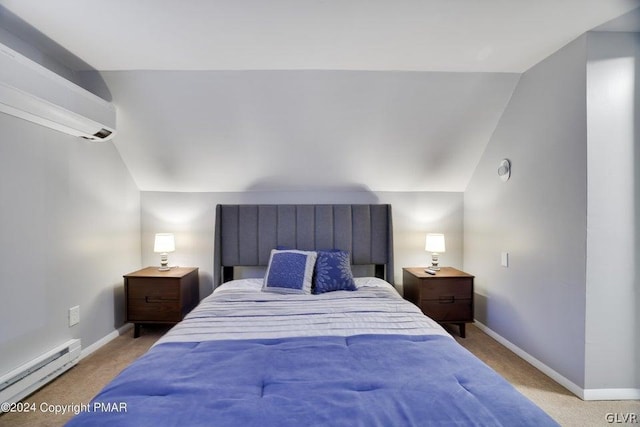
(612, 394)
(104, 340)
(584, 394)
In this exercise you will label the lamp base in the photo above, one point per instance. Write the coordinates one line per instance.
(434, 262)
(164, 262)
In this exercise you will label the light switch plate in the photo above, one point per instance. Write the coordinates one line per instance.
(504, 259)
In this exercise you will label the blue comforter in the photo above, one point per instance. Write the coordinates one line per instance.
(361, 380)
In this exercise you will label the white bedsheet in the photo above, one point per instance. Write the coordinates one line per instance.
(240, 310)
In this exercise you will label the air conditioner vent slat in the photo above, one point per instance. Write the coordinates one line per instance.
(103, 133)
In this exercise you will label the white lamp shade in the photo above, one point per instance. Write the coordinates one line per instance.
(164, 243)
(435, 243)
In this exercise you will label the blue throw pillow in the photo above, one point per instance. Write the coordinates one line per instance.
(333, 272)
(289, 272)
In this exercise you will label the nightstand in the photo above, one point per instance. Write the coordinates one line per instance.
(154, 296)
(446, 297)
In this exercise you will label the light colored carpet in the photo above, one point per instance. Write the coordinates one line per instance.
(563, 406)
(84, 381)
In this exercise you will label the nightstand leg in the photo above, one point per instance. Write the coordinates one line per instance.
(136, 330)
(463, 328)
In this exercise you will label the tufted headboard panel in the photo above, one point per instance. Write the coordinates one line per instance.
(246, 234)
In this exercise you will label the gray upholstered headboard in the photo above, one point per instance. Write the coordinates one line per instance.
(246, 234)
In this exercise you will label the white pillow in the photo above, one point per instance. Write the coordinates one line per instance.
(241, 284)
(372, 282)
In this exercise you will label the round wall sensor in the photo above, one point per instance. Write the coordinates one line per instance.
(504, 170)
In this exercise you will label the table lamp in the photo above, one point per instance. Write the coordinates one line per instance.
(435, 245)
(164, 244)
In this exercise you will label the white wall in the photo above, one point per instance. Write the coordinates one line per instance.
(568, 218)
(191, 216)
(538, 217)
(613, 232)
(217, 131)
(69, 230)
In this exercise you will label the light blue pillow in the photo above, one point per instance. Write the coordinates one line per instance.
(289, 272)
(333, 272)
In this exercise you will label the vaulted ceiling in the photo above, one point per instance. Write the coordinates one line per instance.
(234, 95)
(415, 35)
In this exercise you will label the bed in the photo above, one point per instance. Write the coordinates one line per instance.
(280, 351)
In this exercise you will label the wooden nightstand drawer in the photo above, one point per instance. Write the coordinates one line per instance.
(446, 311)
(150, 309)
(454, 288)
(143, 287)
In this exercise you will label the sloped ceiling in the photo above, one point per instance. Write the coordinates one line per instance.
(271, 130)
(414, 35)
(242, 95)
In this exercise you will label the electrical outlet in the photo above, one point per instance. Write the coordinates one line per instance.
(74, 315)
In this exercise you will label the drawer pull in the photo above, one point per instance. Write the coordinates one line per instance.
(447, 299)
(157, 300)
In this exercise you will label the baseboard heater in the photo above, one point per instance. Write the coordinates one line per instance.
(29, 377)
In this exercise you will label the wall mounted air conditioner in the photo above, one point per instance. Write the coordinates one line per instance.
(32, 92)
